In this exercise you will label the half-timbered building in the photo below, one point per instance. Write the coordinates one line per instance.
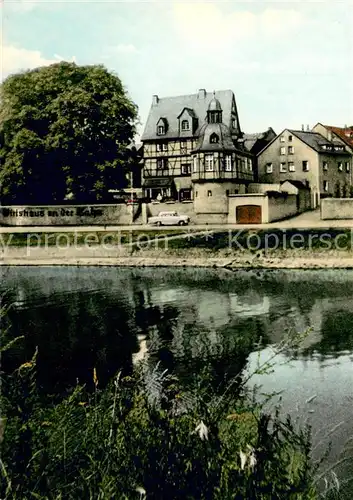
(191, 142)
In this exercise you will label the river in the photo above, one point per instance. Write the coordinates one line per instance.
(109, 318)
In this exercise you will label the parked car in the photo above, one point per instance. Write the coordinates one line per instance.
(169, 219)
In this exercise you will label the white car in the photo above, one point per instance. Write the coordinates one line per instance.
(169, 219)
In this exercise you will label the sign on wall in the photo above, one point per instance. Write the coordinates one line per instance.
(66, 215)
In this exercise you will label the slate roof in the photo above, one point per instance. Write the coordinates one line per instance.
(171, 107)
(251, 139)
(315, 141)
(342, 133)
(223, 132)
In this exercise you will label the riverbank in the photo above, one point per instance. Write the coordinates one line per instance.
(278, 260)
(249, 249)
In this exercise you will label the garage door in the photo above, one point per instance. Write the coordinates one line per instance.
(249, 214)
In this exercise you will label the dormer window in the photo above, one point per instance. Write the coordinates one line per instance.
(214, 139)
(185, 125)
(162, 126)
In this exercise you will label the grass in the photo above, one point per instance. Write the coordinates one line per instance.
(91, 238)
(236, 241)
(146, 436)
(269, 240)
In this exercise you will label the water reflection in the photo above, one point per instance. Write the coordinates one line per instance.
(186, 319)
(192, 322)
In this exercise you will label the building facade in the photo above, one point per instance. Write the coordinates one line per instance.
(191, 141)
(255, 143)
(322, 164)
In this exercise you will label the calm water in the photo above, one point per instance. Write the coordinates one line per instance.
(105, 317)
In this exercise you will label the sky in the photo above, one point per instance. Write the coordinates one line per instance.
(288, 63)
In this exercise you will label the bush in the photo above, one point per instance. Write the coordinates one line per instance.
(143, 437)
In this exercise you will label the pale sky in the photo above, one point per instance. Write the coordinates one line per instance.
(288, 63)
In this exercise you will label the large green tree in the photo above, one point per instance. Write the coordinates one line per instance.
(64, 129)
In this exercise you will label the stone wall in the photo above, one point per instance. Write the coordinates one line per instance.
(67, 215)
(337, 208)
(281, 206)
(262, 187)
(212, 197)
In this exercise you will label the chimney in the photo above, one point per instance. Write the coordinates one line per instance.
(303, 127)
(202, 94)
(307, 128)
(155, 100)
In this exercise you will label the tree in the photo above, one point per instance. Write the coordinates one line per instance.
(64, 128)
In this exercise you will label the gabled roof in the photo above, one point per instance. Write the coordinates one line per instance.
(251, 139)
(312, 139)
(189, 110)
(297, 184)
(163, 120)
(344, 133)
(171, 107)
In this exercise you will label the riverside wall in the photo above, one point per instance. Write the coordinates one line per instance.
(68, 215)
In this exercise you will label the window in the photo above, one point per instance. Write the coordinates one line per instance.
(290, 150)
(340, 166)
(196, 194)
(291, 167)
(227, 192)
(228, 163)
(185, 125)
(269, 168)
(283, 150)
(160, 130)
(250, 163)
(214, 139)
(186, 169)
(209, 193)
(183, 147)
(282, 138)
(347, 166)
(162, 163)
(290, 138)
(283, 167)
(305, 166)
(234, 123)
(325, 165)
(208, 163)
(162, 146)
(195, 164)
(325, 185)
